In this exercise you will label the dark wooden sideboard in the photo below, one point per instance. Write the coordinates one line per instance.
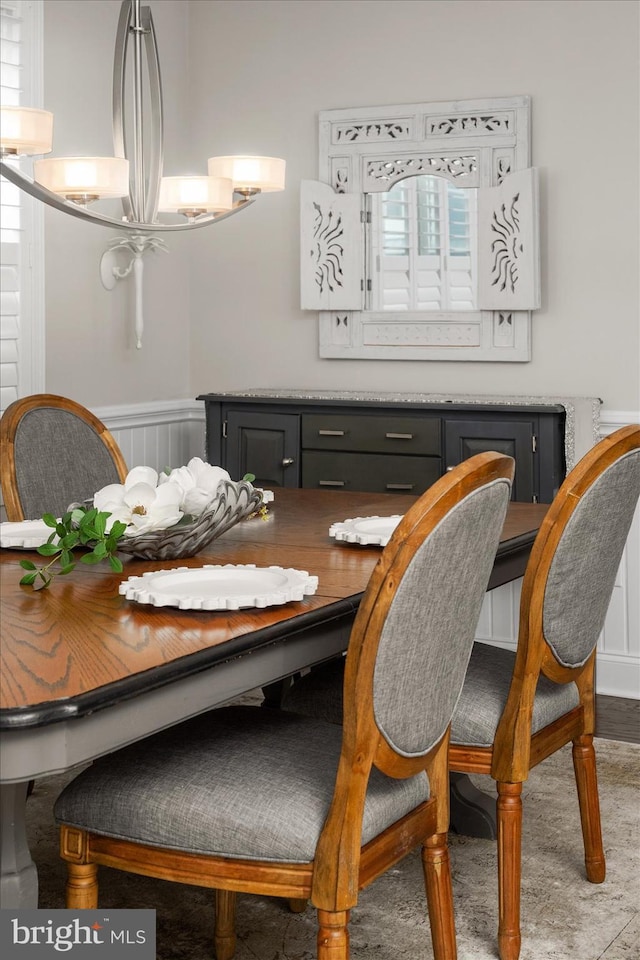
(384, 445)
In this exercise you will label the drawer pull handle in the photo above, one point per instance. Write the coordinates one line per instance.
(331, 433)
(288, 461)
(331, 483)
(399, 436)
(399, 486)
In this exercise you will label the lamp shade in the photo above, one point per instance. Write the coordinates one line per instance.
(262, 174)
(84, 178)
(195, 195)
(25, 131)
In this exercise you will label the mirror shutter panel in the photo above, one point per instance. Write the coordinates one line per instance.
(508, 244)
(331, 248)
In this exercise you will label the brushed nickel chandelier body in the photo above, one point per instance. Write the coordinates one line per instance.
(135, 172)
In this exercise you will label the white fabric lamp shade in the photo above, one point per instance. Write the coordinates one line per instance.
(193, 196)
(84, 178)
(262, 174)
(25, 131)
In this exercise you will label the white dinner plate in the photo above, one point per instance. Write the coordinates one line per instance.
(216, 587)
(369, 531)
(24, 534)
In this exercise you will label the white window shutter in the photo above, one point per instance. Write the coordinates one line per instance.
(21, 217)
(10, 326)
(331, 248)
(509, 249)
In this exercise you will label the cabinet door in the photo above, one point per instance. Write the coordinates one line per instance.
(265, 444)
(465, 438)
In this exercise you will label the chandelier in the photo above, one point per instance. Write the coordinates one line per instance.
(135, 172)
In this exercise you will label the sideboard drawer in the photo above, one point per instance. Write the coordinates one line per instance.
(369, 472)
(383, 434)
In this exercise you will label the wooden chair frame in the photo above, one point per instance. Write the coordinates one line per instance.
(8, 427)
(515, 750)
(341, 865)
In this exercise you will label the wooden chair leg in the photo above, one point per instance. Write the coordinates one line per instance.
(297, 905)
(509, 810)
(333, 935)
(82, 886)
(436, 867)
(584, 765)
(224, 936)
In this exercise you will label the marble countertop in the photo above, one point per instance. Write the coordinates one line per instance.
(582, 413)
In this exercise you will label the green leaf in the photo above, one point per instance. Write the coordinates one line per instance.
(101, 524)
(100, 550)
(67, 568)
(88, 519)
(48, 549)
(116, 564)
(90, 558)
(28, 565)
(249, 477)
(50, 520)
(76, 516)
(28, 579)
(69, 541)
(65, 558)
(117, 529)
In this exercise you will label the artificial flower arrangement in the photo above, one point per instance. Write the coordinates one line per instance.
(151, 515)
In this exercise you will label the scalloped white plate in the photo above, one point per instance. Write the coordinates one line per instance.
(217, 587)
(368, 531)
(24, 534)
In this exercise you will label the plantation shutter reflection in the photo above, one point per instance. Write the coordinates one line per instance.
(423, 251)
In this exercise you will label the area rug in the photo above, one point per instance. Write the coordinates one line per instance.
(563, 916)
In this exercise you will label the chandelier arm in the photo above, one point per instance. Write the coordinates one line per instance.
(41, 193)
(156, 155)
(137, 165)
(119, 74)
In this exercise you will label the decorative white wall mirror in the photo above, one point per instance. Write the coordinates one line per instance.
(420, 240)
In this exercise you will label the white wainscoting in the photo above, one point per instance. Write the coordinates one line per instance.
(169, 433)
(161, 434)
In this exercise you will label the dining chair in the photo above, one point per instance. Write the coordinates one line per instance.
(254, 800)
(517, 708)
(54, 452)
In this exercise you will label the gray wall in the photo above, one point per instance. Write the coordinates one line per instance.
(222, 309)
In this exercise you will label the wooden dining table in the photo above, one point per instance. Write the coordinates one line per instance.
(85, 671)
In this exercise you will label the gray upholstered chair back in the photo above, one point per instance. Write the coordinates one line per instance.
(426, 640)
(59, 459)
(584, 567)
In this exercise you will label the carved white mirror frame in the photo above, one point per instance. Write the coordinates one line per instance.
(473, 143)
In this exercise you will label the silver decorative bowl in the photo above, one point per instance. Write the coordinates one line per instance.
(234, 501)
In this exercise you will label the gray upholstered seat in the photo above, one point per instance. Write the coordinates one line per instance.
(265, 801)
(484, 696)
(247, 782)
(55, 452)
(479, 708)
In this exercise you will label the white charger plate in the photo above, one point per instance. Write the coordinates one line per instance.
(220, 587)
(368, 531)
(24, 534)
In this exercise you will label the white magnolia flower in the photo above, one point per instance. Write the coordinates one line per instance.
(199, 483)
(140, 503)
